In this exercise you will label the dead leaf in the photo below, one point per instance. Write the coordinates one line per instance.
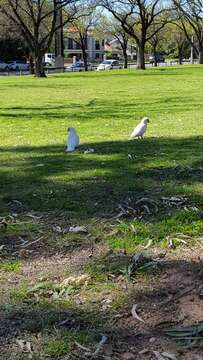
(76, 280)
(17, 202)
(128, 356)
(3, 224)
(24, 345)
(57, 229)
(169, 356)
(134, 314)
(78, 229)
(150, 242)
(158, 355)
(144, 351)
(82, 347)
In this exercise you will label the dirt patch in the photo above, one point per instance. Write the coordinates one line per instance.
(165, 297)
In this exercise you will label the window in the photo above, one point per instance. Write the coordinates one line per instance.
(97, 56)
(97, 45)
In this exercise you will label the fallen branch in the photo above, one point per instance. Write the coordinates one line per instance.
(33, 242)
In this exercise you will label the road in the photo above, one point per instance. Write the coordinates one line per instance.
(130, 66)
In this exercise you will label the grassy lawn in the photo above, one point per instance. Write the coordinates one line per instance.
(38, 180)
(104, 107)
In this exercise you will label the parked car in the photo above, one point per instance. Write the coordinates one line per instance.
(109, 65)
(3, 66)
(18, 65)
(159, 58)
(78, 66)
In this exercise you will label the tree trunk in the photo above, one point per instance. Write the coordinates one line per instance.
(125, 56)
(84, 55)
(201, 55)
(140, 57)
(32, 70)
(155, 56)
(180, 55)
(38, 64)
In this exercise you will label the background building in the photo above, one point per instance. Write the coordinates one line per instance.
(94, 47)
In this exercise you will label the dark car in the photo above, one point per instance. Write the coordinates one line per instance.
(18, 65)
(159, 58)
(78, 66)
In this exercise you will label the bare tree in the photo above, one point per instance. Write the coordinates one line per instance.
(36, 20)
(82, 27)
(178, 40)
(155, 41)
(137, 18)
(123, 39)
(190, 16)
(110, 27)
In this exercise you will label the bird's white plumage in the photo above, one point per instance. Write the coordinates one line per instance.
(72, 141)
(140, 129)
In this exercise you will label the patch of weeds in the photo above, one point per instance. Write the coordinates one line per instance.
(19, 294)
(95, 270)
(7, 309)
(64, 342)
(98, 291)
(82, 336)
(48, 290)
(113, 263)
(56, 348)
(185, 222)
(22, 227)
(10, 266)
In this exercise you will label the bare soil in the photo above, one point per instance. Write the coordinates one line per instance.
(171, 296)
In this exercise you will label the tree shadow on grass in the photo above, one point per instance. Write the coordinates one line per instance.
(97, 109)
(86, 187)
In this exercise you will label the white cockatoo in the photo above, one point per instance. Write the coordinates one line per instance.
(72, 141)
(140, 128)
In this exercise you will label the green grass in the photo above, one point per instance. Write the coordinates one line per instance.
(10, 266)
(66, 340)
(104, 107)
(86, 189)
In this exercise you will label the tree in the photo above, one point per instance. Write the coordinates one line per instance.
(177, 41)
(190, 16)
(82, 27)
(137, 18)
(11, 42)
(156, 42)
(36, 20)
(110, 27)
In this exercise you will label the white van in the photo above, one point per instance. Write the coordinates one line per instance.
(49, 59)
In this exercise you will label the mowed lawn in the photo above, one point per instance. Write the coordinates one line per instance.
(104, 108)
